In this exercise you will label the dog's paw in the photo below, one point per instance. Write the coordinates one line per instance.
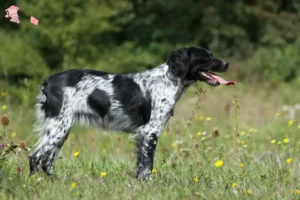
(143, 174)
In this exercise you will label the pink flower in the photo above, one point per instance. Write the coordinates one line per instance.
(12, 12)
(34, 20)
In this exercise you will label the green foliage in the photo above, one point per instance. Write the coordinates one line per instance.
(18, 58)
(128, 36)
(276, 64)
(7, 145)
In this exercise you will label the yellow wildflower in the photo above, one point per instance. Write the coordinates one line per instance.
(290, 122)
(203, 138)
(297, 191)
(279, 142)
(277, 114)
(154, 171)
(196, 180)
(286, 140)
(200, 118)
(33, 176)
(13, 134)
(102, 174)
(273, 141)
(199, 133)
(241, 165)
(76, 154)
(255, 130)
(251, 129)
(208, 118)
(299, 126)
(165, 133)
(242, 133)
(73, 185)
(249, 192)
(4, 107)
(174, 145)
(219, 163)
(289, 160)
(233, 185)
(242, 142)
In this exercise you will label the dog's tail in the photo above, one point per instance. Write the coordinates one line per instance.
(40, 107)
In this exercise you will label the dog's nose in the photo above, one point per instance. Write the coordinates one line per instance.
(226, 64)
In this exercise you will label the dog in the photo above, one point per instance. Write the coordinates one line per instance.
(138, 103)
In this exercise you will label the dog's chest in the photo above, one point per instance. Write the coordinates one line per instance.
(164, 92)
(163, 102)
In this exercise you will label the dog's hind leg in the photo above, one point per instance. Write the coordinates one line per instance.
(53, 133)
(52, 138)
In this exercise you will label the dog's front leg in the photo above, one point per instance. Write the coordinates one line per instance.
(146, 145)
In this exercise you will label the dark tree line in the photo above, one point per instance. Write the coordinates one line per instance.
(122, 36)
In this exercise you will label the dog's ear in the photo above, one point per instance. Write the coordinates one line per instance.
(178, 62)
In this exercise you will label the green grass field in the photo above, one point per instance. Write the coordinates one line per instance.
(229, 143)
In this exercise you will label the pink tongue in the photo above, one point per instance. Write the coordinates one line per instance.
(221, 80)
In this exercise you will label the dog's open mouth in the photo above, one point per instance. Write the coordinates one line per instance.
(213, 79)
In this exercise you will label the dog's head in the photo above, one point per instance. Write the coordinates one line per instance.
(197, 64)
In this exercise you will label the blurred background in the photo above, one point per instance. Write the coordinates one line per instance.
(256, 122)
(260, 39)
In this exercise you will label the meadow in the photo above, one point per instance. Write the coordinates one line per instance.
(237, 142)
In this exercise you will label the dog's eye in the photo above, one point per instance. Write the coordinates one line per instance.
(206, 58)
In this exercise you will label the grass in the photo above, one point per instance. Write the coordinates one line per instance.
(235, 125)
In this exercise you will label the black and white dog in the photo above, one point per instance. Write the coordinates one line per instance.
(139, 103)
